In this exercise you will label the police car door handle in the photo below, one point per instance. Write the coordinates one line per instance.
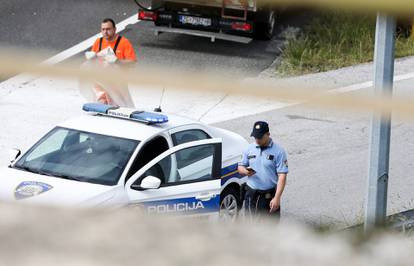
(204, 197)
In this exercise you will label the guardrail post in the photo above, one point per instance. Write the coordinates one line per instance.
(376, 198)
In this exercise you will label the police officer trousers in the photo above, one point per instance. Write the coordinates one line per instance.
(257, 202)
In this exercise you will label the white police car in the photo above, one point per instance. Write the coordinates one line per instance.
(117, 157)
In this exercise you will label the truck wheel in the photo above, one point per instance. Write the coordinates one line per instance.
(265, 30)
(230, 204)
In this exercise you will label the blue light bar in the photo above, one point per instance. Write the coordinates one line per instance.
(152, 118)
(97, 107)
(130, 114)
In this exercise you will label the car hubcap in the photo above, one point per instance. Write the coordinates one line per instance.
(229, 208)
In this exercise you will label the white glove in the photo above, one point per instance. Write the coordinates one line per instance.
(110, 57)
(90, 55)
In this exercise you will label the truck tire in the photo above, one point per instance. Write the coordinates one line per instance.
(230, 204)
(265, 30)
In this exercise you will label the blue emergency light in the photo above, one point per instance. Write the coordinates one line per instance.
(96, 107)
(126, 113)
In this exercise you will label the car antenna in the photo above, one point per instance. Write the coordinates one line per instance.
(158, 109)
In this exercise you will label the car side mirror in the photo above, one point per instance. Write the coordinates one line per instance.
(149, 182)
(13, 154)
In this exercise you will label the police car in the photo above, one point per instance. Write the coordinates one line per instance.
(114, 156)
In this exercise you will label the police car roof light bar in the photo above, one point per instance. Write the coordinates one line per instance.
(125, 113)
(96, 107)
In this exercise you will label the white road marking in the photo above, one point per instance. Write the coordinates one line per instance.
(404, 77)
(368, 84)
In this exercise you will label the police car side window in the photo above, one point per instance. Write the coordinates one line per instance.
(188, 136)
(186, 157)
(151, 150)
(190, 170)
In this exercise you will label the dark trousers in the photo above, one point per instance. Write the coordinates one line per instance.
(257, 202)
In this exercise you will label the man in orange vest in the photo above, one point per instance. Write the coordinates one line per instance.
(114, 94)
(122, 48)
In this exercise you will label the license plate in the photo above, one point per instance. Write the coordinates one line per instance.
(197, 21)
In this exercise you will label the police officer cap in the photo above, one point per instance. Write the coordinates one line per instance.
(259, 129)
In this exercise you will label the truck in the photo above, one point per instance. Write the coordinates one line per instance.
(233, 20)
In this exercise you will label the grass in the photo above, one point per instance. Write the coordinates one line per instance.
(333, 40)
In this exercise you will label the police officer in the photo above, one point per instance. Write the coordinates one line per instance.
(265, 163)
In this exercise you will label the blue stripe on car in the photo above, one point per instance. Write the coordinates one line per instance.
(229, 172)
(191, 205)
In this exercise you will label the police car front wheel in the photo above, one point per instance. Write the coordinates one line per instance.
(229, 205)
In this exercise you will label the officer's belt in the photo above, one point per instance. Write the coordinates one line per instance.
(257, 192)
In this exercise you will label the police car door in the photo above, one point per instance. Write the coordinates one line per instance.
(189, 180)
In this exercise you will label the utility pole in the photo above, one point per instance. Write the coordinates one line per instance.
(376, 198)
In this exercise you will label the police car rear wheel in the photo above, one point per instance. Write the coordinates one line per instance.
(229, 206)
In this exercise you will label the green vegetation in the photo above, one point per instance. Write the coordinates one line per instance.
(333, 40)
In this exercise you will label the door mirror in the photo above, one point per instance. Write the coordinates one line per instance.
(149, 182)
(13, 154)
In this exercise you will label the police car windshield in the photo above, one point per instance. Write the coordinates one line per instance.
(77, 155)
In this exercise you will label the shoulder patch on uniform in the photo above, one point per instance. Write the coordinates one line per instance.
(286, 163)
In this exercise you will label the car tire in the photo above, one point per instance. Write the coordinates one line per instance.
(230, 204)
